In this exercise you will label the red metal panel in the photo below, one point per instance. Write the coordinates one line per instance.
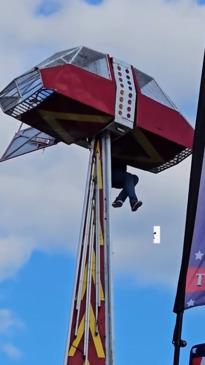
(163, 121)
(81, 85)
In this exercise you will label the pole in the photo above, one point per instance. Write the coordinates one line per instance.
(106, 153)
(177, 341)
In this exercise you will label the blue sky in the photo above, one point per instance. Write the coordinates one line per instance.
(48, 8)
(41, 194)
(94, 2)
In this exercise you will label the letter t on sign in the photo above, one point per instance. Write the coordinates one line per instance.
(200, 279)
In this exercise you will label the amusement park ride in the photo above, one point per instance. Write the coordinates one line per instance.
(98, 102)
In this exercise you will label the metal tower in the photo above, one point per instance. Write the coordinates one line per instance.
(90, 334)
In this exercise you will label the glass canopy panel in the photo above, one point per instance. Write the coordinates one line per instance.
(26, 141)
(10, 96)
(153, 91)
(59, 58)
(142, 78)
(20, 89)
(82, 57)
(28, 83)
(92, 61)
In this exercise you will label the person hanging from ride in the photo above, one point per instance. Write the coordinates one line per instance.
(121, 179)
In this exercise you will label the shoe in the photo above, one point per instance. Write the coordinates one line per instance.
(117, 203)
(135, 205)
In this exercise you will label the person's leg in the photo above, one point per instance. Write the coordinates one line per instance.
(129, 190)
(129, 186)
(127, 182)
(118, 182)
(134, 202)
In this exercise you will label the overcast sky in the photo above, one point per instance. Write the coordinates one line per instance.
(41, 194)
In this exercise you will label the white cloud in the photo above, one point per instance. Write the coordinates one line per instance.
(13, 352)
(9, 322)
(41, 195)
(14, 252)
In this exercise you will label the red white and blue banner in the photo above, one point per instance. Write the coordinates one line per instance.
(191, 285)
(195, 279)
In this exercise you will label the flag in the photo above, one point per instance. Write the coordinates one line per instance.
(195, 278)
(191, 284)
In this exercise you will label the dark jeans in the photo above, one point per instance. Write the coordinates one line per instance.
(125, 181)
